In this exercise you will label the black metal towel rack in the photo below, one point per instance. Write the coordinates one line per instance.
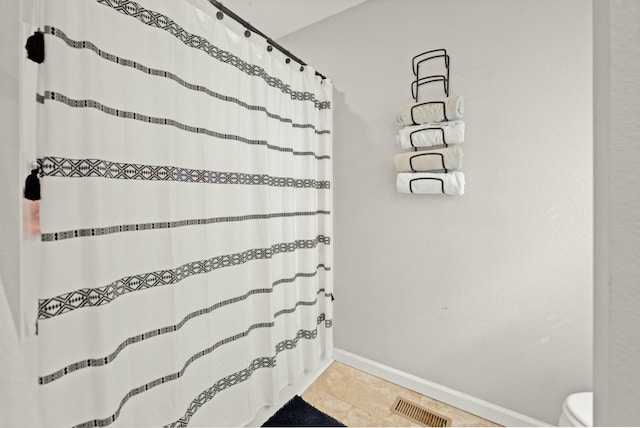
(421, 59)
(416, 61)
(419, 81)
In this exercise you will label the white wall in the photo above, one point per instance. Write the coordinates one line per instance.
(277, 18)
(491, 293)
(9, 152)
(617, 203)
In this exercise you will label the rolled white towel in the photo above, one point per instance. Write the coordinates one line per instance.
(450, 183)
(431, 134)
(447, 158)
(451, 108)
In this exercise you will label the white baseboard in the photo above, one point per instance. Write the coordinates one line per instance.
(462, 401)
(288, 393)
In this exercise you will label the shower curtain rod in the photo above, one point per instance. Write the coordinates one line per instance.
(253, 29)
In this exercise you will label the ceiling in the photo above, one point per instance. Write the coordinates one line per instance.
(277, 18)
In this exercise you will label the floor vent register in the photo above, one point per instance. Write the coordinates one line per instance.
(419, 414)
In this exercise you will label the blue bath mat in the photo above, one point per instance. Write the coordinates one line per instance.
(299, 413)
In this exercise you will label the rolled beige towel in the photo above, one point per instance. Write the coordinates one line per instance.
(431, 160)
(431, 134)
(450, 183)
(451, 108)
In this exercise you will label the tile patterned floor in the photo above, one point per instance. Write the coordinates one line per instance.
(357, 399)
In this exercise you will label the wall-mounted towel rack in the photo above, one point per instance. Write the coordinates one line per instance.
(420, 119)
(428, 55)
(419, 59)
(415, 85)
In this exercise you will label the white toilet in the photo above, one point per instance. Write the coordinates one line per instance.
(577, 410)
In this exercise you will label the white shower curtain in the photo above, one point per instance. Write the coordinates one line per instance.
(185, 216)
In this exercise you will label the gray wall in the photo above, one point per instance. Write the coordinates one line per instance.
(617, 226)
(491, 293)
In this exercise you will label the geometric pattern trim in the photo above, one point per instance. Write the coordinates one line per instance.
(92, 297)
(102, 361)
(163, 22)
(168, 75)
(99, 231)
(226, 382)
(63, 167)
(243, 375)
(56, 96)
